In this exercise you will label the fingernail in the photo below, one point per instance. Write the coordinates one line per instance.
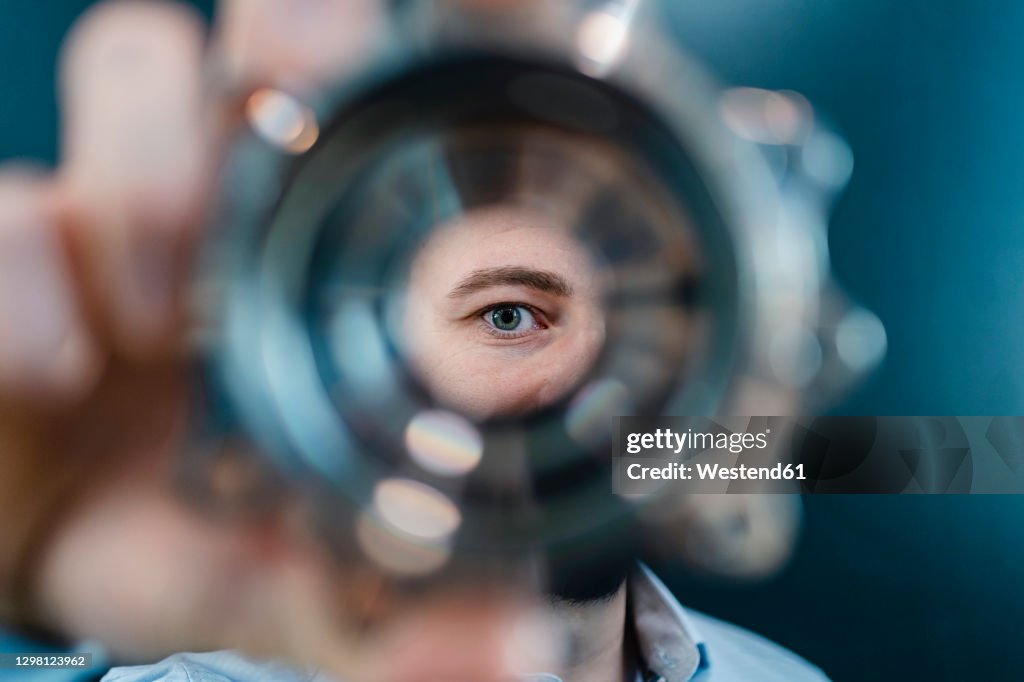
(132, 69)
(43, 343)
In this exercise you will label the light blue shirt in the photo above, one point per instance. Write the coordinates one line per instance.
(674, 645)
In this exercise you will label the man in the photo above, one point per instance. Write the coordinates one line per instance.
(93, 268)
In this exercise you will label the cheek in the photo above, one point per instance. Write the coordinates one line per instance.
(564, 371)
(485, 385)
(575, 352)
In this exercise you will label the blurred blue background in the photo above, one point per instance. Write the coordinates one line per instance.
(929, 235)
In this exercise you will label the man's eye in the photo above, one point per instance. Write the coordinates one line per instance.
(508, 319)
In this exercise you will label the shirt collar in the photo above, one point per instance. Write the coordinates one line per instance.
(668, 643)
(670, 646)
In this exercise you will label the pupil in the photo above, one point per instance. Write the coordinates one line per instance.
(506, 318)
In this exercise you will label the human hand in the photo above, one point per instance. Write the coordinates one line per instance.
(95, 264)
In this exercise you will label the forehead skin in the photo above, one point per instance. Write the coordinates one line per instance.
(496, 238)
(464, 369)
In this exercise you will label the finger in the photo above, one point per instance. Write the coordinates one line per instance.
(46, 351)
(295, 44)
(137, 160)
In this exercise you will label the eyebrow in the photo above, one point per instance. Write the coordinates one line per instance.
(541, 280)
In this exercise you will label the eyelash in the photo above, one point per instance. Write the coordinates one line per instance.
(539, 318)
